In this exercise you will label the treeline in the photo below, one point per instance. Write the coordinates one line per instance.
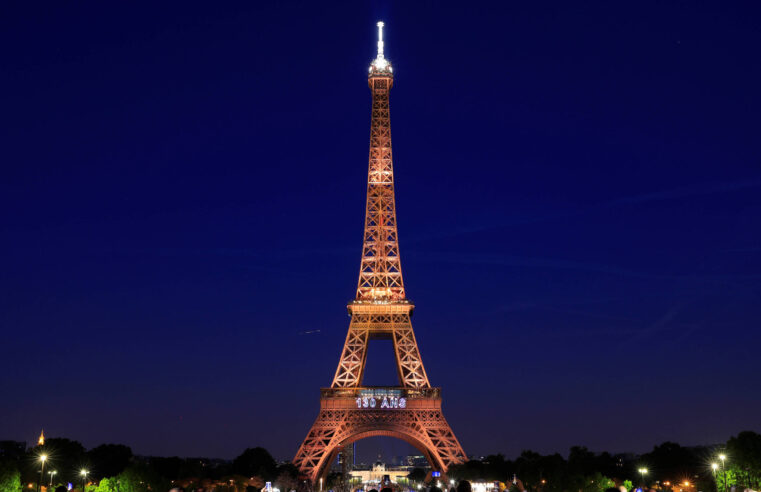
(668, 466)
(114, 468)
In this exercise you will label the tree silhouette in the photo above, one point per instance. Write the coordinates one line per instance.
(256, 462)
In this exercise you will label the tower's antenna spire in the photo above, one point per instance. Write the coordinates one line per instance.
(380, 64)
(380, 40)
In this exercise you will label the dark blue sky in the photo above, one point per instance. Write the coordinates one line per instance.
(578, 190)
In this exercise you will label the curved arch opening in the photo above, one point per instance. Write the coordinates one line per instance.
(387, 450)
(368, 433)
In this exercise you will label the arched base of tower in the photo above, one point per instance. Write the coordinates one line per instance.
(421, 424)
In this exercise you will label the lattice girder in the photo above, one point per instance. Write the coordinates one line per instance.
(380, 273)
(412, 410)
(375, 321)
(426, 429)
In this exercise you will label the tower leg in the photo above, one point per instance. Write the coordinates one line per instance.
(425, 429)
(347, 455)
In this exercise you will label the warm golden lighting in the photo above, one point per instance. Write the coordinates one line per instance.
(722, 457)
(380, 308)
(83, 472)
(43, 457)
(686, 483)
(41, 440)
(714, 466)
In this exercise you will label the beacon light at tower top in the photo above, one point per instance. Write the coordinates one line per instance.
(380, 64)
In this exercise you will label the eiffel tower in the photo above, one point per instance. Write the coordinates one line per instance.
(380, 310)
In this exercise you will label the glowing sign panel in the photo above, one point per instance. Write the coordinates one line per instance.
(381, 399)
(386, 402)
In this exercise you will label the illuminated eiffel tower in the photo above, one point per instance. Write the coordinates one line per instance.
(348, 410)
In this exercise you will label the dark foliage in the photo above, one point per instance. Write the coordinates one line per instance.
(255, 462)
(417, 475)
(65, 456)
(108, 460)
(583, 471)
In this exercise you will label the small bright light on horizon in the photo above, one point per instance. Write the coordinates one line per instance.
(722, 457)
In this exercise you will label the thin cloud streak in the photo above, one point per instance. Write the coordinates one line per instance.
(699, 189)
(560, 264)
(528, 262)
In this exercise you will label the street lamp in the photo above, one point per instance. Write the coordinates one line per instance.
(320, 484)
(642, 473)
(83, 472)
(723, 457)
(43, 458)
(715, 467)
(51, 477)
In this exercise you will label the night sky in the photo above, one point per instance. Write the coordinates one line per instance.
(182, 194)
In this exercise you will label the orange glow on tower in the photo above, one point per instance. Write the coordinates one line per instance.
(349, 411)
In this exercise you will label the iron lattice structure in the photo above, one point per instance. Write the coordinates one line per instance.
(412, 410)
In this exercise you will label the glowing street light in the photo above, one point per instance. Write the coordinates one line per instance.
(723, 458)
(53, 472)
(642, 473)
(43, 458)
(83, 472)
